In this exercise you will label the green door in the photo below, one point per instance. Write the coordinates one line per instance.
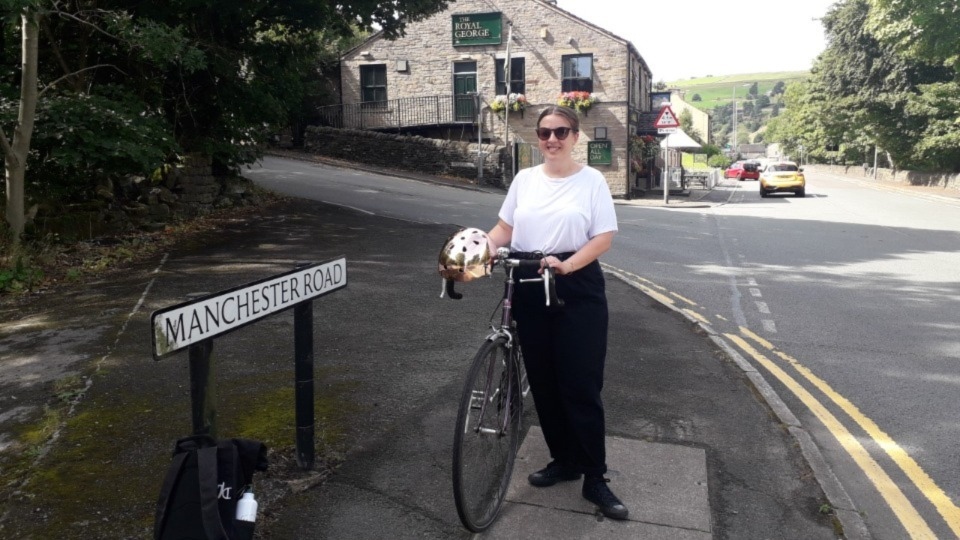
(464, 88)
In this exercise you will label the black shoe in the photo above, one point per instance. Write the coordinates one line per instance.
(553, 473)
(596, 491)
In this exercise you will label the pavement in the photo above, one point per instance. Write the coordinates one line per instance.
(699, 446)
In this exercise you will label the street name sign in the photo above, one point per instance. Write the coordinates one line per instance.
(180, 326)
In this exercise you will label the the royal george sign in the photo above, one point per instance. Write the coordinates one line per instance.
(600, 153)
(477, 29)
(183, 325)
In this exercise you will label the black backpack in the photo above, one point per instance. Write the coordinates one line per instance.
(199, 496)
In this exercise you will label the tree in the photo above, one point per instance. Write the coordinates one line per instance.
(865, 92)
(686, 124)
(15, 149)
(753, 90)
(660, 86)
(939, 104)
(778, 88)
(922, 29)
(696, 97)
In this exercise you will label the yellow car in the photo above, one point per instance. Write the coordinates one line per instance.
(783, 176)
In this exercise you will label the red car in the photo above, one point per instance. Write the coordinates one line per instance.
(743, 170)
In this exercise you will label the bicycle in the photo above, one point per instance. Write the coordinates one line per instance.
(487, 434)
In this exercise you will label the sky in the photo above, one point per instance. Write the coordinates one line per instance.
(681, 39)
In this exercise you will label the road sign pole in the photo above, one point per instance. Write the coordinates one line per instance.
(303, 386)
(665, 175)
(203, 410)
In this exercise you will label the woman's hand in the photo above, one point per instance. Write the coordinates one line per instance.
(562, 268)
(592, 250)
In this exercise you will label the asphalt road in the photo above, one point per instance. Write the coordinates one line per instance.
(850, 294)
(854, 292)
(390, 358)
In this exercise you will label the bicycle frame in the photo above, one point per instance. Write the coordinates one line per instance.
(507, 331)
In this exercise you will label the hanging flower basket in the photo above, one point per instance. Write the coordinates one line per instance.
(579, 101)
(518, 102)
(513, 102)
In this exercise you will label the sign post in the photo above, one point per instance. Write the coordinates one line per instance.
(666, 124)
(193, 325)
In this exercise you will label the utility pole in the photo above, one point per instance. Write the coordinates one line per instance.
(733, 134)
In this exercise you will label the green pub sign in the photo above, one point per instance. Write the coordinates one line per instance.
(600, 153)
(477, 29)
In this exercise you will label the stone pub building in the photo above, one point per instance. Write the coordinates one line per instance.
(484, 69)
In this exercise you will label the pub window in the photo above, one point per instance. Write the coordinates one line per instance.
(517, 77)
(577, 73)
(373, 83)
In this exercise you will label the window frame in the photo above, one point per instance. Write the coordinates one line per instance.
(579, 83)
(366, 72)
(517, 85)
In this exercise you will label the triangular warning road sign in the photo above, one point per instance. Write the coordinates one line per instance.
(666, 118)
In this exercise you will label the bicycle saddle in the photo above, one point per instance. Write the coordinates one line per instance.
(465, 256)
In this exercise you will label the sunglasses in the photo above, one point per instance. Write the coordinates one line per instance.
(561, 133)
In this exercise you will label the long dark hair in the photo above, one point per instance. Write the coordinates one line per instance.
(560, 110)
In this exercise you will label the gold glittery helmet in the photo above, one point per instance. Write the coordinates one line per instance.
(465, 256)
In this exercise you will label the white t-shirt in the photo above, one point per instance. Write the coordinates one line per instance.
(557, 215)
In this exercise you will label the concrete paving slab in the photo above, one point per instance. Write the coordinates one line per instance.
(663, 485)
(525, 521)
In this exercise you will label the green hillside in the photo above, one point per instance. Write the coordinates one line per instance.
(716, 91)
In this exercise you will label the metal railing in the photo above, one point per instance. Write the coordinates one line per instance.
(527, 155)
(401, 113)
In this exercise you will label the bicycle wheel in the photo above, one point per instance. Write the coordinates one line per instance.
(487, 435)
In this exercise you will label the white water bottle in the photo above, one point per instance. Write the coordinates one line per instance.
(247, 508)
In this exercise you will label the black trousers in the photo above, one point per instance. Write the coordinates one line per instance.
(564, 350)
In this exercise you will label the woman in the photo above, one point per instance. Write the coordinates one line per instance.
(562, 212)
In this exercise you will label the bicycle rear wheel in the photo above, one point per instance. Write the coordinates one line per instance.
(487, 435)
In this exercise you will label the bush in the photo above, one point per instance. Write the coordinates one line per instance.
(82, 138)
(719, 160)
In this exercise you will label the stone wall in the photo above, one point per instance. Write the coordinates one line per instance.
(410, 153)
(912, 178)
(139, 203)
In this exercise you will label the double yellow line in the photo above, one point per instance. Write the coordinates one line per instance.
(912, 521)
(915, 525)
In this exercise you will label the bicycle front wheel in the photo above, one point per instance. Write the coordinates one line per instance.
(487, 435)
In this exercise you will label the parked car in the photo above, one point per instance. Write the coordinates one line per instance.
(743, 170)
(783, 176)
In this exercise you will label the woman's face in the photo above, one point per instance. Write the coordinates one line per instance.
(553, 147)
